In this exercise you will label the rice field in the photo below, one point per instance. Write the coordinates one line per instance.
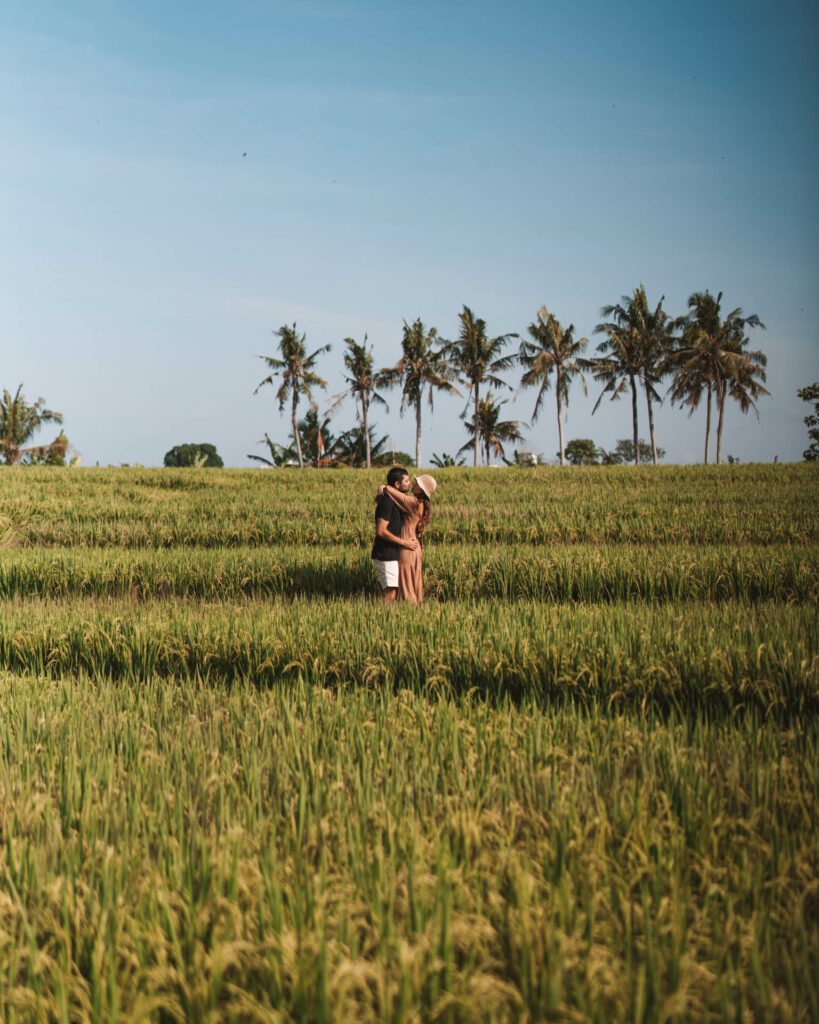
(581, 783)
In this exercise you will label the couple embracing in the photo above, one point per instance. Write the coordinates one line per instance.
(402, 511)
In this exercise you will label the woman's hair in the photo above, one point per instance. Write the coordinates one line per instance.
(425, 517)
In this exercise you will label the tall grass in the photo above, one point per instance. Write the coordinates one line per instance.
(579, 784)
(229, 508)
(587, 573)
(706, 657)
(175, 852)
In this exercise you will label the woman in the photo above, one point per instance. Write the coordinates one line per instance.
(415, 507)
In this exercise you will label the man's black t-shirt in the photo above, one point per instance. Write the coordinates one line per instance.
(386, 508)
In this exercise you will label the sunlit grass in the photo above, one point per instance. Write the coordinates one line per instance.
(545, 505)
(581, 573)
(580, 783)
(195, 854)
(713, 657)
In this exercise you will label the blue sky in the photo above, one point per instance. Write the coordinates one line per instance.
(179, 180)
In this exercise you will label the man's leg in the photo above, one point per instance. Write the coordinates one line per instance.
(387, 574)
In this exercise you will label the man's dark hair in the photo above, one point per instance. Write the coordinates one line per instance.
(395, 474)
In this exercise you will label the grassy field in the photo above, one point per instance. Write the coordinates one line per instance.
(580, 783)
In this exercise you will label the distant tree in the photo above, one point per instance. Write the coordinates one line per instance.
(354, 448)
(624, 453)
(712, 360)
(582, 451)
(655, 329)
(811, 394)
(695, 361)
(279, 454)
(552, 348)
(53, 454)
(317, 442)
(296, 370)
(193, 455)
(477, 359)
(421, 368)
(489, 429)
(744, 386)
(362, 381)
(634, 354)
(393, 458)
(19, 421)
(745, 377)
(58, 450)
(445, 461)
(521, 458)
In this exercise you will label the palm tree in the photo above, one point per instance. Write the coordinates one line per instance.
(353, 448)
(488, 429)
(656, 332)
(745, 383)
(296, 371)
(279, 455)
(420, 367)
(53, 454)
(477, 359)
(711, 359)
(619, 369)
(638, 341)
(695, 362)
(362, 384)
(552, 348)
(316, 440)
(445, 461)
(19, 421)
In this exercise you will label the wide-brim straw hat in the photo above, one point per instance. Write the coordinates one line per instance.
(427, 484)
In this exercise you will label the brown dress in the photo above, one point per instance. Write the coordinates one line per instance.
(410, 582)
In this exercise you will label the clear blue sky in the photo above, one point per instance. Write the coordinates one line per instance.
(402, 159)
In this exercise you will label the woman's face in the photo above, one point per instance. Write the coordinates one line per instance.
(417, 490)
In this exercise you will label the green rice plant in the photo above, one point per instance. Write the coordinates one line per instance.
(176, 851)
(581, 573)
(704, 657)
(759, 505)
(580, 783)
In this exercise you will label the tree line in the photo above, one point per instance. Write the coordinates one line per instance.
(702, 357)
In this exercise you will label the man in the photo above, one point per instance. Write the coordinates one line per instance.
(388, 541)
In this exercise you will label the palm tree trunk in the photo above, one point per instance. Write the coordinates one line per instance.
(634, 417)
(651, 426)
(418, 432)
(560, 421)
(707, 423)
(366, 427)
(477, 432)
(296, 429)
(721, 392)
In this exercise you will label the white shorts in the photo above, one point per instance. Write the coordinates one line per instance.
(387, 573)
